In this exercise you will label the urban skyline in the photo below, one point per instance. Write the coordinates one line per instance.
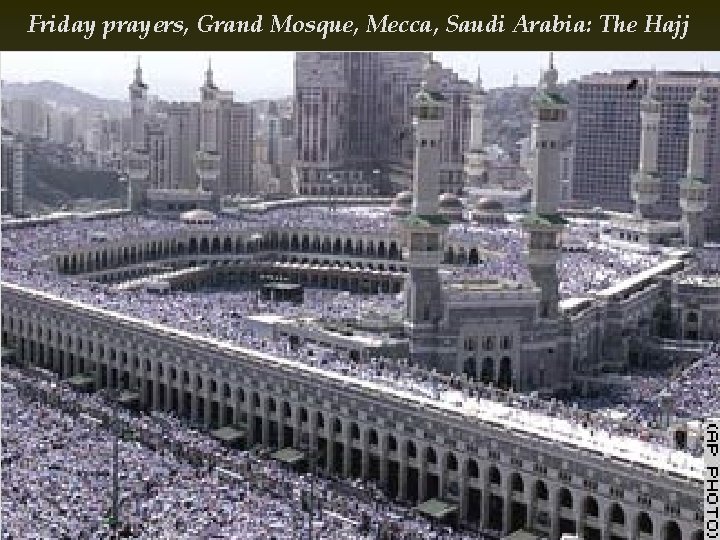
(173, 75)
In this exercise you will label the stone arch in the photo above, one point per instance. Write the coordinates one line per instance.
(373, 439)
(616, 515)
(516, 483)
(494, 476)
(540, 491)
(565, 498)
(671, 531)
(590, 507)
(393, 251)
(354, 431)
(505, 373)
(473, 257)
(451, 462)
(450, 255)
(430, 455)
(644, 523)
(473, 470)
(410, 449)
(392, 443)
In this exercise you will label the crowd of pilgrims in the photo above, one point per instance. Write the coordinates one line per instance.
(175, 481)
(692, 393)
(55, 464)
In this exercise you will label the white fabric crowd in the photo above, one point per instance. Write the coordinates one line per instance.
(175, 482)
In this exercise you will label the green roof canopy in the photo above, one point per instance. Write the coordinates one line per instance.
(547, 220)
(228, 434)
(437, 509)
(289, 456)
(521, 534)
(128, 398)
(426, 220)
(8, 351)
(81, 381)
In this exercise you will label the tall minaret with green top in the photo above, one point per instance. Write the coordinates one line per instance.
(544, 224)
(694, 188)
(645, 183)
(424, 230)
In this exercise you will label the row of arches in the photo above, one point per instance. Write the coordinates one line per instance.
(104, 258)
(410, 469)
(383, 249)
(488, 370)
(113, 257)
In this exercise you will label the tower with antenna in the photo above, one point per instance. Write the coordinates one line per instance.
(645, 183)
(475, 157)
(207, 158)
(138, 163)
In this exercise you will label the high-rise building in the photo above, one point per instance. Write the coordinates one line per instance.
(694, 188)
(13, 174)
(27, 117)
(194, 145)
(608, 139)
(353, 119)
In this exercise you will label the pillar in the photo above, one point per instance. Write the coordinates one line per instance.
(330, 437)
(365, 452)
(553, 511)
(250, 410)
(298, 427)
(402, 472)
(347, 449)
(464, 489)
(265, 413)
(384, 459)
(422, 473)
(156, 387)
(208, 404)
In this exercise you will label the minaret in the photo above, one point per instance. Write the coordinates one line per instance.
(138, 164)
(693, 188)
(424, 230)
(544, 225)
(207, 158)
(646, 183)
(475, 156)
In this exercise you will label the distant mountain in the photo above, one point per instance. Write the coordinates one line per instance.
(63, 95)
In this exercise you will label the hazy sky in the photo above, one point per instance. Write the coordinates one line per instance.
(254, 75)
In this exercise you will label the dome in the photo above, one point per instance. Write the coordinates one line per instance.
(489, 205)
(404, 198)
(198, 216)
(401, 204)
(449, 201)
